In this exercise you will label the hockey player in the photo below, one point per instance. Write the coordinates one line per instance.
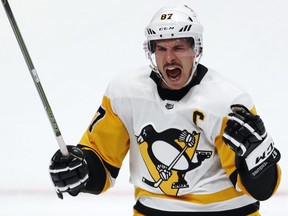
(196, 144)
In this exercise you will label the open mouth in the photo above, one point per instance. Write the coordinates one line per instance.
(173, 73)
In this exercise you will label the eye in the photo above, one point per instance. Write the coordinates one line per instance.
(160, 49)
(178, 48)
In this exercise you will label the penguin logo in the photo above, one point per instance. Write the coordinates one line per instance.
(168, 156)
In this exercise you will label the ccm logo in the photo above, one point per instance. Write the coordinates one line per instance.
(265, 154)
(166, 28)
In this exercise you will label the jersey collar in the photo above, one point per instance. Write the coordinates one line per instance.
(176, 95)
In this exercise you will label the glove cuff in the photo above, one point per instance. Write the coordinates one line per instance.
(260, 153)
(262, 157)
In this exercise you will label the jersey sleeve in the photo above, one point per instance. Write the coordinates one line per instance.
(105, 144)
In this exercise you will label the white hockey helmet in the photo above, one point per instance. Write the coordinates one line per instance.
(172, 23)
(175, 22)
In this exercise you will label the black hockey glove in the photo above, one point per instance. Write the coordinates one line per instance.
(69, 173)
(246, 135)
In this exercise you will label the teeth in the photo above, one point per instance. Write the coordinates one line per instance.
(171, 68)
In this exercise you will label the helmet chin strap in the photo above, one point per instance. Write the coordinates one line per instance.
(154, 67)
(195, 64)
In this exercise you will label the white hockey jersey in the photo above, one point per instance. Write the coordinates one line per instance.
(178, 161)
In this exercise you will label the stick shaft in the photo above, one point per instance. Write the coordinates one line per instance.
(35, 77)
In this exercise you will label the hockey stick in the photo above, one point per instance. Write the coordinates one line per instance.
(59, 138)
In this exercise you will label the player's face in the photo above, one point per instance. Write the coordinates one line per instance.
(174, 60)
